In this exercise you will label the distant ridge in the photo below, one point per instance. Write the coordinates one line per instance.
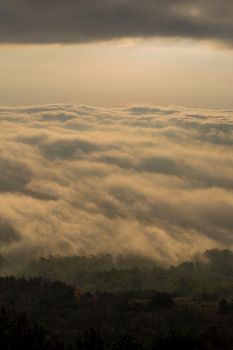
(210, 273)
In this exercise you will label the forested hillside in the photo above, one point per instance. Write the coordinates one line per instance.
(118, 303)
(39, 314)
(210, 273)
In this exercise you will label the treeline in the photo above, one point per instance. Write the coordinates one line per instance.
(17, 331)
(41, 314)
(211, 273)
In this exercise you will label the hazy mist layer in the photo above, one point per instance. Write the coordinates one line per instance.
(110, 75)
(147, 180)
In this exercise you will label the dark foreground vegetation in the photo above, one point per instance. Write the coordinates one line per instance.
(39, 313)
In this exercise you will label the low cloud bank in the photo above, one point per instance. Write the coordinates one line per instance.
(143, 180)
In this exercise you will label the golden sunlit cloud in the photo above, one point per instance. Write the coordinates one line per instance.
(144, 179)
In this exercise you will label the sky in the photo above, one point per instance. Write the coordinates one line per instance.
(117, 53)
(116, 124)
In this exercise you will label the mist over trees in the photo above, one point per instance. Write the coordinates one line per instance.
(210, 273)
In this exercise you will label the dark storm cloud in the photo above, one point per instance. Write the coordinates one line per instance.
(75, 21)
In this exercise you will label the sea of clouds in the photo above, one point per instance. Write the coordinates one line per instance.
(143, 180)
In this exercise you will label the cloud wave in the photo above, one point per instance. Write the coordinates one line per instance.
(147, 180)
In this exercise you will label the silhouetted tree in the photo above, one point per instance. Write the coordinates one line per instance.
(224, 307)
(90, 340)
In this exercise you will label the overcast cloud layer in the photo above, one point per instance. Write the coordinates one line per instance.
(75, 21)
(146, 180)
